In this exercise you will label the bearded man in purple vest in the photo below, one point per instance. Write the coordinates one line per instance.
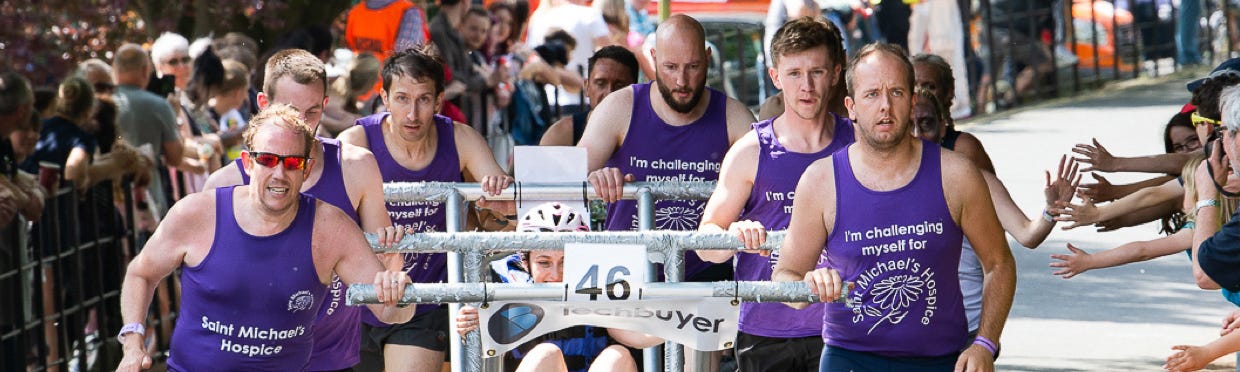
(342, 175)
(758, 182)
(671, 129)
(878, 212)
(255, 262)
(412, 144)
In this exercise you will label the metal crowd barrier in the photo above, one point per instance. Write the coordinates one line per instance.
(1110, 43)
(60, 274)
(467, 269)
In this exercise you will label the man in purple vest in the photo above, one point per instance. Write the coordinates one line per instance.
(671, 129)
(255, 262)
(878, 213)
(758, 182)
(342, 175)
(412, 144)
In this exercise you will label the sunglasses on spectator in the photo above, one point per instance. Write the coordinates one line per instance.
(269, 160)
(1198, 120)
(174, 62)
(104, 87)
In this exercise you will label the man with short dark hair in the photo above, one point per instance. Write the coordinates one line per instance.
(611, 68)
(255, 262)
(758, 182)
(411, 144)
(877, 215)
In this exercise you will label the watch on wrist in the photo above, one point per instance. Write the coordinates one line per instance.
(131, 328)
(1203, 204)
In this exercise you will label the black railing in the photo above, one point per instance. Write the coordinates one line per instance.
(60, 280)
(1107, 44)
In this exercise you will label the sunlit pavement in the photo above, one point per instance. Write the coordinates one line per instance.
(1118, 319)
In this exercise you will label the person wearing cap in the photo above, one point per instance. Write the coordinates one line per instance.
(571, 349)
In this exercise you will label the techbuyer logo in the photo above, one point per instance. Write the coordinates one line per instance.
(514, 321)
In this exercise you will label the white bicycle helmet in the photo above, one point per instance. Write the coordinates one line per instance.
(553, 217)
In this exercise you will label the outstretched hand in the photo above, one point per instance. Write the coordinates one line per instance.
(1101, 190)
(1187, 358)
(1071, 264)
(1083, 214)
(1065, 183)
(1096, 156)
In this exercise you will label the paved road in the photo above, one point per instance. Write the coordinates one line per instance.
(1118, 319)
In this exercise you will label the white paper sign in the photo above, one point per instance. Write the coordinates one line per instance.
(550, 164)
(705, 324)
(604, 272)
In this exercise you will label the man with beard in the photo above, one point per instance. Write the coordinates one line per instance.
(879, 214)
(413, 144)
(342, 175)
(679, 133)
(756, 187)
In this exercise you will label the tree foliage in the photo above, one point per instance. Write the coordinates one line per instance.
(44, 40)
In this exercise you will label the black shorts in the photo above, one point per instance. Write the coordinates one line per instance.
(761, 353)
(427, 330)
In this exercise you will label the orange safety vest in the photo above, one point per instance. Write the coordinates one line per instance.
(374, 31)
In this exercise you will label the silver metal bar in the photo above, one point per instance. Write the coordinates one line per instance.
(744, 291)
(440, 191)
(495, 242)
(469, 357)
(645, 223)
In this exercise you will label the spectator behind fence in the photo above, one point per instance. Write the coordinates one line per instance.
(344, 103)
(586, 25)
(468, 83)
(936, 28)
(146, 121)
(611, 68)
(19, 194)
(99, 74)
(226, 106)
(16, 196)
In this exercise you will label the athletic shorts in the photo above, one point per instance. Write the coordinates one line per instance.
(427, 330)
(838, 359)
(760, 353)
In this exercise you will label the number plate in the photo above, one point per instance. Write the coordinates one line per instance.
(604, 272)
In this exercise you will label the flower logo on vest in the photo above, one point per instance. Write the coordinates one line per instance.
(302, 300)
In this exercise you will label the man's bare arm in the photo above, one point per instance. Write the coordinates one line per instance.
(340, 241)
(740, 120)
(558, 134)
(605, 130)
(229, 175)
(807, 232)
(726, 203)
(981, 226)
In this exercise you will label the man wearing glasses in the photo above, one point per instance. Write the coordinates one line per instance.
(256, 260)
(342, 175)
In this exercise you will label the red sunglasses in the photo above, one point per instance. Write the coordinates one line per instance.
(269, 160)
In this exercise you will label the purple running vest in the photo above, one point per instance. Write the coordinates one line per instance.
(902, 249)
(250, 304)
(770, 202)
(655, 151)
(336, 332)
(420, 216)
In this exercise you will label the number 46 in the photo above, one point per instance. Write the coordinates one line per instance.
(615, 278)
